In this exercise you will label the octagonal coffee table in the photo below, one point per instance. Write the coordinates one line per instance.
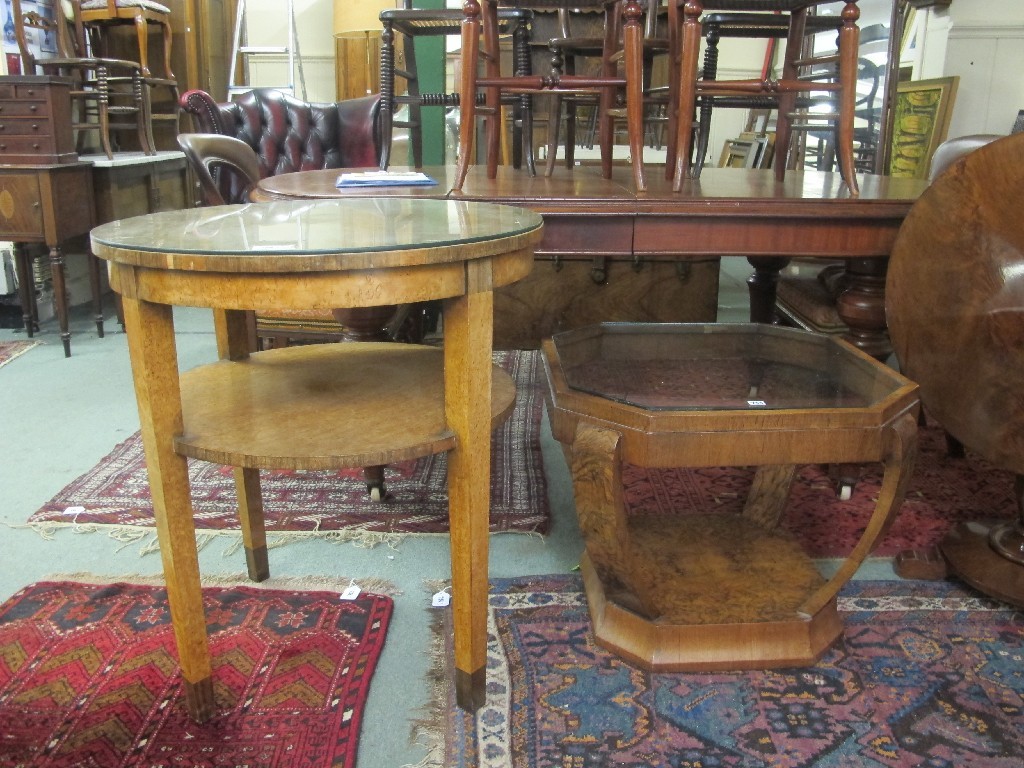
(719, 591)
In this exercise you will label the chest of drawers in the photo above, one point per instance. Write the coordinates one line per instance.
(35, 120)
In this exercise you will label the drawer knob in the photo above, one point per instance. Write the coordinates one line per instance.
(35, 146)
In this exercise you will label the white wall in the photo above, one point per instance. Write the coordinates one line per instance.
(988, 58)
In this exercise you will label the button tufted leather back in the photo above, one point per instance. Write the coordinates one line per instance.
(290, 135)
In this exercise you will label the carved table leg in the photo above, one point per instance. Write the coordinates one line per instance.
(26, 289)
(862, 306)
(60, 296)
(762, 286)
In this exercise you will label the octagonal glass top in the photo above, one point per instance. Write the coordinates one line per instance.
(720, 366)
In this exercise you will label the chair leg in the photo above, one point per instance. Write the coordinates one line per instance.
(144, 116)
(632, 35)
(706, 102)
(167, 35)
(102, 116)
(492, 95)
(787, 101)
(689, 44)
(523, 149)
(849, 38)
(415, 127)
(554, 124)
(467, 91)
(387, 93)
(142, 33)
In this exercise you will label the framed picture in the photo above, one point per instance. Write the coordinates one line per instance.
(739, 153)
(921, 119)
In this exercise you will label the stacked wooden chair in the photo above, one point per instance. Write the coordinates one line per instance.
(108, 93)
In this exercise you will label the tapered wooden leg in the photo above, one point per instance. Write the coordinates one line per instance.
(250, 518)
(467, 380)
(235, 342)
(150, 330)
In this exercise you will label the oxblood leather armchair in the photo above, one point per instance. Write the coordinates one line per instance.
(290, 135)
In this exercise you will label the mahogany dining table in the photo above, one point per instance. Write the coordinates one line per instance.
(726, 212)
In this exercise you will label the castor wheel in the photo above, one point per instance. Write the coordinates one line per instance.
(374, 477)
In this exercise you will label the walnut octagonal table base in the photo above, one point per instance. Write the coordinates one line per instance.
(721, 591)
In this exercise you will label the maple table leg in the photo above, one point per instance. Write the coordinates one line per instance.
(150, 329)
(468, 327)
(233, 343)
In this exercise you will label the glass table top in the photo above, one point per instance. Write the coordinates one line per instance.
(716, 366)
(304, 227)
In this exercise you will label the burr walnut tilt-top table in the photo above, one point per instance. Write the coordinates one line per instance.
(320, 406)
(719, 591)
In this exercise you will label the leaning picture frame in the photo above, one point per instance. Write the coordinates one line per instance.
(738, 153)
(922, 112)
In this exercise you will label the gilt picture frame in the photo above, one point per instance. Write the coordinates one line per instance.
(922, 112)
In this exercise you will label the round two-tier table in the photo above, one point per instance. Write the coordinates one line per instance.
(320, 406)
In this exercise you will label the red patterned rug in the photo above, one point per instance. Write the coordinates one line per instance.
(11, 349)
(89, 677)
(943, 491)
(927, 675)
(327, 504)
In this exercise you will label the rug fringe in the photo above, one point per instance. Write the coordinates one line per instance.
(428, 730)
(132, 534)
(377, 586)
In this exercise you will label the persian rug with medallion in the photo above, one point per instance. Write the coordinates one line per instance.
(928, 675)
(89, 677)
(114, 495)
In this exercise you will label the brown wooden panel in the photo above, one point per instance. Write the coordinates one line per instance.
(764, 236)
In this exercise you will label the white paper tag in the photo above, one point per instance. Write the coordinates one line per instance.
(440, 600)
(756, 403)
(74, 510)
(351, 592)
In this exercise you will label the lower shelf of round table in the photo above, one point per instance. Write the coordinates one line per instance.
(324, 406)
(709, 592)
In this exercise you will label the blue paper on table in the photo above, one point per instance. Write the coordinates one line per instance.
(384, 179)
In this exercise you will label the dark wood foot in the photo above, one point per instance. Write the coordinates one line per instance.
(925, 564)
(471, 689)
(199, 700)
(257, 563)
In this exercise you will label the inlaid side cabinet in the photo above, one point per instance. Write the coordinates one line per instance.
(48, 204)
(35, 120)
